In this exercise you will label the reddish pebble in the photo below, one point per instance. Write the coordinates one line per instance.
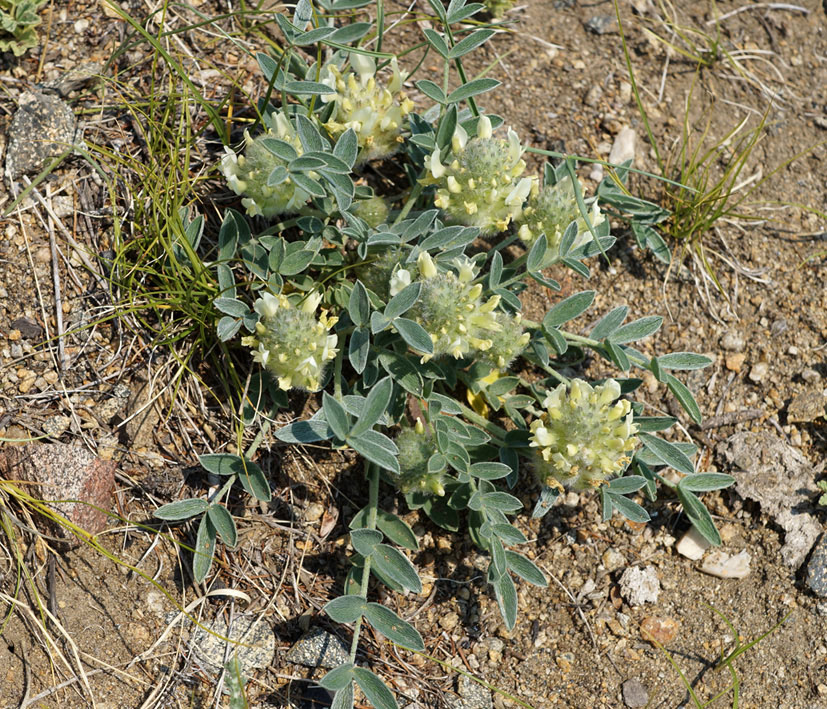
(662, 630)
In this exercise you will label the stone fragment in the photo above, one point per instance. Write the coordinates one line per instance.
(634, 693)
(806, 407)
(662, 630)
(601, 24)
(782, 481)
(449, 621)
(734, 361)
(251, 639)
(623, 148)
(473, 695)
(29, 329)
(64, 472)
(724, 566)
(692, 544)
(639, 586)
(613, 559)
(43, 127)
(733, 341)
(759, 372)
(313, 512)
(811, 376)
(318, 648)
(817, 568)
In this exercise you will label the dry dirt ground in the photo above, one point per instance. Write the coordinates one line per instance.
(565, 88)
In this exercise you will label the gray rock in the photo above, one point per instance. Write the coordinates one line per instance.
(811, 376)
(30, 329)
(601, 24)
(817, 568)
(318, 648)
(250, 638)
(634, 693)
(639, 586)
(806, 407)
(43, 127)
(733, 342)
(782, 481)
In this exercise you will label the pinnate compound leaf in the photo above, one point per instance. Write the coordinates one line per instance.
(668, 453)
(636, 330)
(684, 397)
(489, 471)
(568, 309)
(394, 528)
(221, 463)
(338, 678)
(374, 688)
(396, 566)
(704, 482)
(403, 301)
(255, 483)
(359, 305)
(224, 524)
(629, 508)
(181, 509)
(525, 569)
(684, 360)
(472, 88)
(204, 549)
(699, 516)
(343, 699)
(416, 337)
(501, 501)
(310, 431)
(508, 533)
(365, 540)
(393, 627)
(359, 349)
(375, 405)
(626, 485)
(377, 448)
(336, 415)
(346, 609)
(609, 323)
(506, 594)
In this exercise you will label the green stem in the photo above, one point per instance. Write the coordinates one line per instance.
(497, 433)
(372, 473)
(412, 197)
(579, 340)
(337, 374)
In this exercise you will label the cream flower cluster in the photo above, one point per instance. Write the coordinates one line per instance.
(291, 342)
(376, 114)
(583, 438)
(248, 175)
(551, 211)
(451, 310)
(416, 446)
(481, 186)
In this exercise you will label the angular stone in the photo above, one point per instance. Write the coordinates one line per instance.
(693, 544)
(639, 586)
(64, 472)
(805, 407)
(817, 568)
(318, 648)
(634, 693)
(724, 566)
(662, 630)
(251, 639)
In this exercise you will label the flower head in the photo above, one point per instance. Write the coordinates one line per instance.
(451, 310)
(376, 113)
(291, 342)
(251, 174)
(551, 211)
(416, 446)
(583, 438)
(481, 186)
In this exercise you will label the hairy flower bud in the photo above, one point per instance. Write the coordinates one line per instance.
(374, 211)
(416, 446)
(248, 175)
(481, 186)
(451, 310)
(507, 343)
(377, 273)
(583, 438)
(551, 211)
(291, 342)
(376, 114)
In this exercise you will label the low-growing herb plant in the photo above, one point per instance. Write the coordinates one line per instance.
(18, 19)
(395, 306)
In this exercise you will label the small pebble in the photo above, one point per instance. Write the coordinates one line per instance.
(692, 544)
(613, 559)
(601, 24)
(318, 648)
(639, 586)
(624, 147)
(662, 630)
(811, 376)
(313, 512)
(724, 566)
(449, 621)
(759, 372)
(735, 361)
(733, 342)
(634, 693)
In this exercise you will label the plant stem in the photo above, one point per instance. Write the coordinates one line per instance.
(412, 197)
(497, 433)
(372, 473)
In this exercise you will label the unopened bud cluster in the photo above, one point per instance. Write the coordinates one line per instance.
(583, 438)
(481, 185)
(248, 175)
(374, 211)
(416, 446)
(377, 114)
(550, 211)
(291, 342)
(451, 310)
